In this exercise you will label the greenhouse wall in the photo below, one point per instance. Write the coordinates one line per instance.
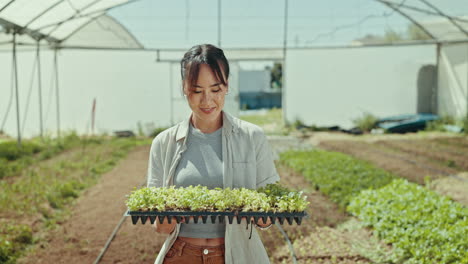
(328, 87)
(453, 80)
(130, 87)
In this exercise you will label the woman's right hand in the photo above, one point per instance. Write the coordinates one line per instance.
(165, 227)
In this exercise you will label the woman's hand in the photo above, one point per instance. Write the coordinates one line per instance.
(261, 224)
(165, 227)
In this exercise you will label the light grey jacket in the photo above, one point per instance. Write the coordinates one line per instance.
(248, 163)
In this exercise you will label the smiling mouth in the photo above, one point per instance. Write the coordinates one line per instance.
(208, 110)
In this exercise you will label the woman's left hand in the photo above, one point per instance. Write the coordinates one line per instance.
(261, 224)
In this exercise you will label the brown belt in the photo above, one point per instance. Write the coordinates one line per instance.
(196, 250)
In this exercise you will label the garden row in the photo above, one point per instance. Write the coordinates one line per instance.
(14, 158)
(38, 197)
(422, 226)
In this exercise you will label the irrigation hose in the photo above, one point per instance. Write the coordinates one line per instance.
(112, 236)
(286, 238)
(109, 241)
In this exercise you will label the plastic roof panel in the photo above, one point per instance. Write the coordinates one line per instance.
(437, 17)
(101, 32)
(71, 26)
(105, 31)
(69, 10)
(57, 19)
(21, 12)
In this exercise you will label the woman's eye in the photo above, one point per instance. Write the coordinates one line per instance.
(197, 92)
(215, 91)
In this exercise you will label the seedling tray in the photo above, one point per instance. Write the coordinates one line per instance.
(215, 216)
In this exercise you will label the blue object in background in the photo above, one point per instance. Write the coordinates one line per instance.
(406, 123)
(260, 100)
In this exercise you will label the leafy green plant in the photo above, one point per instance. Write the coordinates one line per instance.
(423, 226)
(13, 159)
(11, 151)
(439, 124)
(335, 174)
(365, 122)
(271, 198)
(13, 239)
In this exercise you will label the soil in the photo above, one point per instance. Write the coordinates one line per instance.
(414, 159)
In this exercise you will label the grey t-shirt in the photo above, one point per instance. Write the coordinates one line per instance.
(201, 164)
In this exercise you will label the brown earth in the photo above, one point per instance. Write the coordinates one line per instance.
(412, 159)
(442, 158)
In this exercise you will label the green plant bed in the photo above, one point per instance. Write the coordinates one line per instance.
(337, 175)
(45, 191)
(422, 226)
(272, 201)
(14, 158)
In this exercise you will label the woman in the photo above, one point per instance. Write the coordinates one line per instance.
(214, 149)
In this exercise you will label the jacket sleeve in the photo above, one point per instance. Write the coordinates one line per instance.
(266, 170)
(155, 165)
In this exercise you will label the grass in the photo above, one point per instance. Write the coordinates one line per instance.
(337, 175)
(269, 117)
(14, 159)
(43, 191)
(271, 121)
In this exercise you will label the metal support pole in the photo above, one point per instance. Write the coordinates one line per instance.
(57, 92)
(219, 23)
(187, 16)
(38, 58)
(435, 92)
(171, 92)
(15, 70)
(283, 67)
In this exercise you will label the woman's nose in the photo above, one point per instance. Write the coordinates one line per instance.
(207, 97)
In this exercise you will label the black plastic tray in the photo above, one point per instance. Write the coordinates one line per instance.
(213, 216)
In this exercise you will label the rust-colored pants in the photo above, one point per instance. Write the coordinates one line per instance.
(183, 252)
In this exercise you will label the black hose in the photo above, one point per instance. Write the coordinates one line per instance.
(112, 236)
(286, 238)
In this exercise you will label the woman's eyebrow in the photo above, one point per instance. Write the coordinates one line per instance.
(213, 85)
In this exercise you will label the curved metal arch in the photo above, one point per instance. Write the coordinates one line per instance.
(56, 25)
(93, 19)
(44, 12)
(5, 6)
(74, 15)
(398, 10)
(446, 16)
(37, 34)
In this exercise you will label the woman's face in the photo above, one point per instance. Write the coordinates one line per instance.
(206, 98)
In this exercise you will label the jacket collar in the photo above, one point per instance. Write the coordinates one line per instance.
(229, 125)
